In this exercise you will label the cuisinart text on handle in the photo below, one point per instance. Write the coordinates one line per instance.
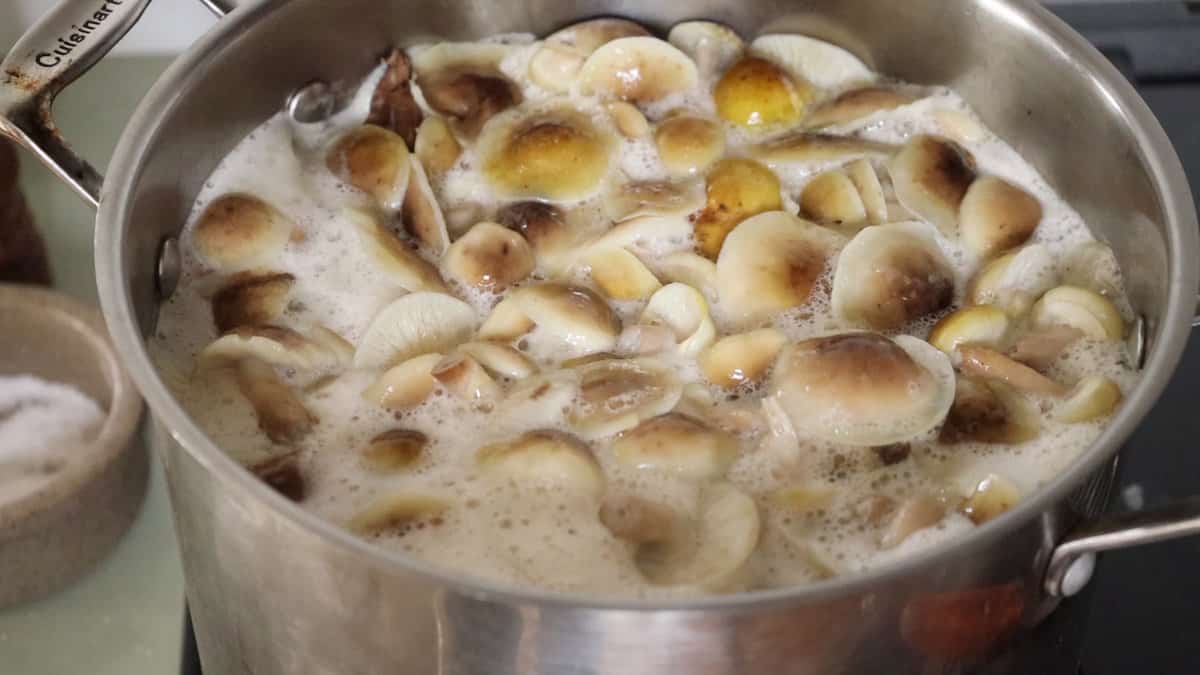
(67, 44)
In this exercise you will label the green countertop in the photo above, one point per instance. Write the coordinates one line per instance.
(125, 617)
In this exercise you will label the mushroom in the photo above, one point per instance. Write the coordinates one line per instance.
(238, 231)
(250, 299)
(741, 359)
(374, 160)
(550, 458)
(639, 69)
(931, 177)
(556, 154)
(414, 324)
(677, 444)
(392, 104)
(393, 450)
(736, 189)
(758, 94)
(617, 394)
(489, 256)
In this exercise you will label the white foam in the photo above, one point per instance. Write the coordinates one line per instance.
(539, 537)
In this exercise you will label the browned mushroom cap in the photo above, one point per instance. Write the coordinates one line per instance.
(556, 155)
(489, 256)
(997, 216)
(250, 299)
(546, 457)
(543, 225)
(863, 388)
(635, 519)
(462, 81)
(757, 94)
(931, 176)
(890, 275)
(988, 412)
(392, 105)
(855, 105)
(736, 189)
(237, 231)
(374, 160)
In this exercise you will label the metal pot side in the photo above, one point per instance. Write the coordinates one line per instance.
(273, 590)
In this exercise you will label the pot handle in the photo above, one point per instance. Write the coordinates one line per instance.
(60, 47)
(1071, 563)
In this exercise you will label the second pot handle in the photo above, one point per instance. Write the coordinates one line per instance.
(1072, 561)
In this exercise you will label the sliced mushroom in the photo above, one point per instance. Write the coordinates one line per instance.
(684, 310)
(996, 216)
(1094, 397)
(862, 173)
(712, 552)
(1041, 348)
(551, 458)
(1093, 266)
(542, 399)
(628, 119)
(642, 340)
(617, 394)
(464, 378)
(688, 144)
(638, 69)
(490, 257)
(689, 268)
(855, 105)
(677, 444)
(374, 160)
(960, 126)
(891, 275)
(988, 412)
(1086, 311)
(499, 359)
(742, 359)
(652, 233)
(282, 473)
(863, 388)
(280, 413)
(406, 385)
(556, 154)
(620, 275)
(655, 198)
(803, 498)
(770, 263)
(410, 271)
(991, 364)
(556, 64)
(417, 323)
(393, 450)
(975, 325)
(993, 496)
(462, 81)
(758, 94)
(1014, 280)
(392, 104)
(913, 514)
(736, 189)
(421, 214)
(250, 299)
(808, 147)
(931, 177)
(274, 345)
(823, 64)
(436, 147)
(712, 46)
(831, 198)
(576, 317)
(397, 514)
(636, 520)
(239, 231)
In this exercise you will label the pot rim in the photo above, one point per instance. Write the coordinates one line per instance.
(1155, 150)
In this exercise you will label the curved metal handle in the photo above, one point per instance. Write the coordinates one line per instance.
(1076, 555)
(59, 48)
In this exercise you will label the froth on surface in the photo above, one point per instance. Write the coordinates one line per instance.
(551, 539)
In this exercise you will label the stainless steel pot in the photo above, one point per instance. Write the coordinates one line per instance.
(273, 589)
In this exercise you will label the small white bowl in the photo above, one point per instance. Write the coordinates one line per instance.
(68, 523)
